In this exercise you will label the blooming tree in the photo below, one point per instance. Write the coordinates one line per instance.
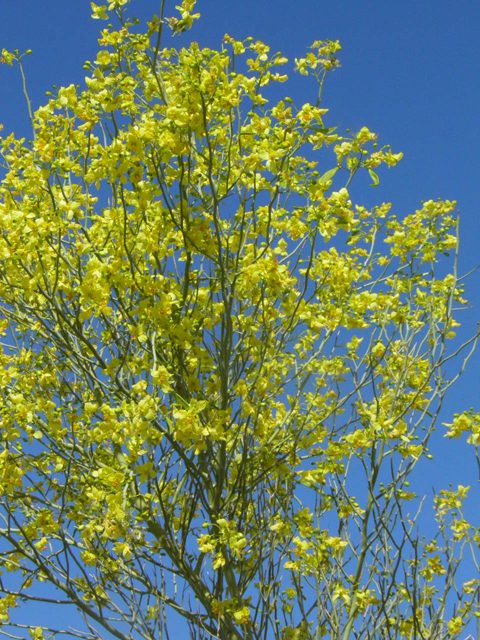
(217, 372)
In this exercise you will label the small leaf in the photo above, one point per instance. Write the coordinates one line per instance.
(374, 177)
(324, 130)
(328, 175)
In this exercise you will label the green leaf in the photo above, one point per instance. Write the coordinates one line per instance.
(374, 177)
(328, 175)
(318, 129)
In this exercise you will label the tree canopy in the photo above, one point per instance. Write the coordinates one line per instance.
(218, 372)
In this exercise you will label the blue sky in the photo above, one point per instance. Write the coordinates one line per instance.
(410, 72)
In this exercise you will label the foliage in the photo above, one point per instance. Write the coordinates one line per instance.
(217, 372)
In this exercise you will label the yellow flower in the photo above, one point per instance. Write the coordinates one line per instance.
(242, 616)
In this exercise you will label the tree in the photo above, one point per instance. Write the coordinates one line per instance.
(218, 374)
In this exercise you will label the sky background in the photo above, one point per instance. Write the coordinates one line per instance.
(410, 72)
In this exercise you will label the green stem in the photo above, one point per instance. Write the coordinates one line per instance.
(25, 93)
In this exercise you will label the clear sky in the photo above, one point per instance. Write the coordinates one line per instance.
(410, 72)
